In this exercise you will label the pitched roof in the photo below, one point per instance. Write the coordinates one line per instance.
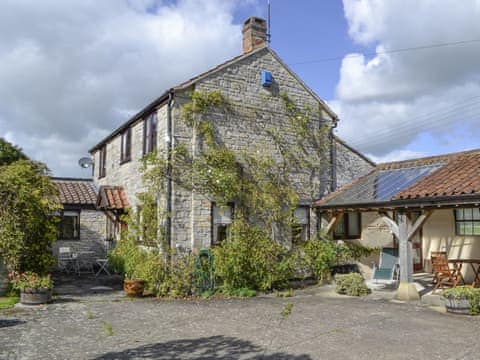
(452, 177)
(459, 176)
(185, 85)
(112, 198)
(74, 191)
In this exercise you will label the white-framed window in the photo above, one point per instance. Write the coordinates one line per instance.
(301, 224)
(222, 218)
(467, 221)
(69, 225)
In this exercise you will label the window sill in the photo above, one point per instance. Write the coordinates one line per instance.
(124, 161)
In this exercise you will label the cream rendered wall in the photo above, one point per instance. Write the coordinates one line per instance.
(439, 235)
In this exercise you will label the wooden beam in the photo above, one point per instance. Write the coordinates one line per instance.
(333, 221)
(392, 225)
(419, 223)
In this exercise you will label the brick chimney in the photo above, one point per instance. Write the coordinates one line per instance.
(254, 34)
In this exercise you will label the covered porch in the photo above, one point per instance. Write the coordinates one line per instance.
(404, 197)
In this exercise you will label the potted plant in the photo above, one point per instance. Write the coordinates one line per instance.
(34, 289)
(462, 300)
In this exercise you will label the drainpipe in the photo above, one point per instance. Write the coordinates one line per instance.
(333, 158)
(170, 144)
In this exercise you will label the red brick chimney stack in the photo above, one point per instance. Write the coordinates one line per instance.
(254, 34)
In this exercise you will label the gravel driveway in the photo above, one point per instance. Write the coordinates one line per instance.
(318, 327)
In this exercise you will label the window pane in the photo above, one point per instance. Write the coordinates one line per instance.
(476, 228)
(468, 228)
(467, 213)
(459, 214)
(339, 228)
(301, 215)
(476, 214)
(222, 215)
(459, 229)
(353, 222)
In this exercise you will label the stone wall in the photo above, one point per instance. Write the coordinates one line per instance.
(92, 235)
(255, 112)
(128, 174)
(350, 164)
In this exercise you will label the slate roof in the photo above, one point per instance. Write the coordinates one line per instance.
(74, 191)
(449, 177)
(112, 198)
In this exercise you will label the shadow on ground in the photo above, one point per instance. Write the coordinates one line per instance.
(85, 284)
(214, 347)
(10, 322)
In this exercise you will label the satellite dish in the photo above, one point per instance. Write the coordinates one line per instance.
(85, 162)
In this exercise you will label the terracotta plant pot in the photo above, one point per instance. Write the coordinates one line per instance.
(35, 296)
(133, 287)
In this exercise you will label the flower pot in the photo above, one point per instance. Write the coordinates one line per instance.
(35, 296)
(133, 287)
(457, 306)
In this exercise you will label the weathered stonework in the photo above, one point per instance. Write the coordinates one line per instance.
(256, 111)
(92, 235)
(350, 164)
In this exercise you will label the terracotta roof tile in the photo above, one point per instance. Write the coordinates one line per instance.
(112, 198)
(459, 176)
(450, 175)
(76, 191)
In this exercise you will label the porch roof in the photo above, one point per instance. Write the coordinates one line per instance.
(112, 198)
(439, 181)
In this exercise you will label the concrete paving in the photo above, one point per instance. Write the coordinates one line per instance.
(319, 325)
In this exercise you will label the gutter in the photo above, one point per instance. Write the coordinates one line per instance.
(333, 159)
(170, 145)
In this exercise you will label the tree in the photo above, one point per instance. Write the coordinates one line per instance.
(27, 225)
(10, 153)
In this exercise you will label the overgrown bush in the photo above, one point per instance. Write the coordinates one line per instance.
(351, 284)
(163, 275)
(319, 256)
(250, 259)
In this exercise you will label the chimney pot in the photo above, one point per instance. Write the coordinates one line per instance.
(254, 34)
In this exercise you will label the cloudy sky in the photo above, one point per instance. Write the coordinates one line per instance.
(72, 71)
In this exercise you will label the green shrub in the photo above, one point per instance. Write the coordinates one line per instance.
(351, 284)
(465, 293)
(319, 256)
(250, 259)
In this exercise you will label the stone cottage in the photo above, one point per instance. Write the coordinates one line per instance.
(89, 219)
(253, 83)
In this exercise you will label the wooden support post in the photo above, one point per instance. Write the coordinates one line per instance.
(407, 290)
(333, 221)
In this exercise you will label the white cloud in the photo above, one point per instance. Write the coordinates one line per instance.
(386, 101)
(71, 71)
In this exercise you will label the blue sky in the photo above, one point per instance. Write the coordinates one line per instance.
(71, 72)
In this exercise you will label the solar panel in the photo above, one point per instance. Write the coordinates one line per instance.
(382, 185)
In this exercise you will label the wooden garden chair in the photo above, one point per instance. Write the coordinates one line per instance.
(443, 274)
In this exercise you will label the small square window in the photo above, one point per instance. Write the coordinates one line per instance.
(348, 227)
(69, 225)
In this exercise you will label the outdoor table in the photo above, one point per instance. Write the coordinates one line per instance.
(474, 264)
(103, 266)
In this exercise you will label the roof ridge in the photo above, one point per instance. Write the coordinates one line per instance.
(445, 157)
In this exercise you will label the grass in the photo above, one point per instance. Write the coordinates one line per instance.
(108, 328)
(8, 302)
(287, 310)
